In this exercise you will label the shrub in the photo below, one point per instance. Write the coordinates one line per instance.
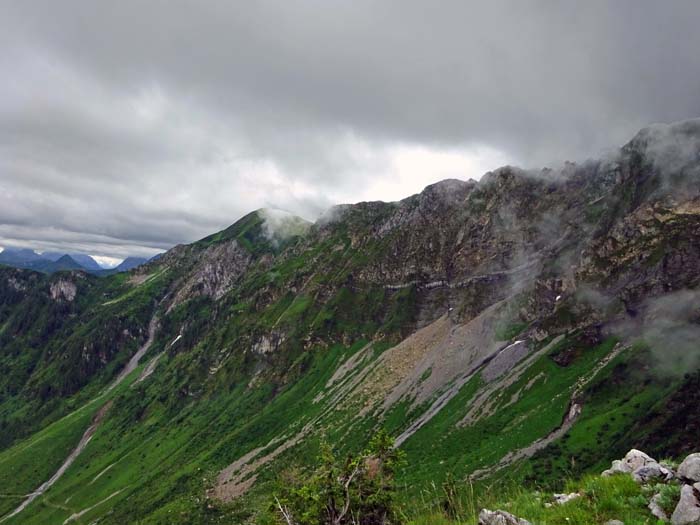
(358, 490)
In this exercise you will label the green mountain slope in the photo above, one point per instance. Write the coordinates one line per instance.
(523, 328)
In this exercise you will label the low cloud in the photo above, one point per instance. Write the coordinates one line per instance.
(280, 225)
(672, 330)
(674, 152)
(670, 326)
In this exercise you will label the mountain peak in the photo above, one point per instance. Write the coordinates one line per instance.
(86, 261)
(130, 263)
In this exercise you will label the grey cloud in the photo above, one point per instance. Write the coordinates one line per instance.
(152, 123)
(671, 328)
(674, 151)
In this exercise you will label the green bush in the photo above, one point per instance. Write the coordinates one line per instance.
(357, 490)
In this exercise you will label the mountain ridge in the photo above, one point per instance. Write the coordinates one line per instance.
(468, 319)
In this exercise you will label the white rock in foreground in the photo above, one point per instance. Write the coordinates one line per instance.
(656, 509)
(499, 517)
(688, 509)
(641, 466)
(636, 459)
(690, 468)
(561, 499)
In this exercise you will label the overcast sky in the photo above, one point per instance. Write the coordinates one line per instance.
(127, 127)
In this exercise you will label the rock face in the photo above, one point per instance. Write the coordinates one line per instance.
(688, 509)
(218, 268)
(63, 290)
(499, 517)
(267, 344)
(689, 470)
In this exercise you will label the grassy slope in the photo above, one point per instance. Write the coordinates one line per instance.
(162, 464)
(603, 499)
(163, 458)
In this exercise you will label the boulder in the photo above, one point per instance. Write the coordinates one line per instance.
(688, 509)
(615, 468)
(499, 517)
(656, 509)
(689, 470)
(652, 471)
(636, 459)
(560, 499)
(670, 468)
(641, 466)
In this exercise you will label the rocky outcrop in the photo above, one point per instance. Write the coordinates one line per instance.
(268, 343)
(217, 270)
(641, 466)
(688, 509)
(689, 470)
(16, 284)
(499, 517)
(645, 469)
(63, 290)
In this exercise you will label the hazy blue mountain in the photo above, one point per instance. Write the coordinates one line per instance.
(52, 256)
(84, 260)
(130, 263)
(18, 256)
(65, 262)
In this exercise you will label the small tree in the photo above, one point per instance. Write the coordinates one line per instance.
(357, 491)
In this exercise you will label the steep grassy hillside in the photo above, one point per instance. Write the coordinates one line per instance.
(520, 330)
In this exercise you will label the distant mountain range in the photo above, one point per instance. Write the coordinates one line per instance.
(50, 262)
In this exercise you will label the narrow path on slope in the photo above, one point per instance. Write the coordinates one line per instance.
(99, 416)
(527, 265)
(77, 515)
